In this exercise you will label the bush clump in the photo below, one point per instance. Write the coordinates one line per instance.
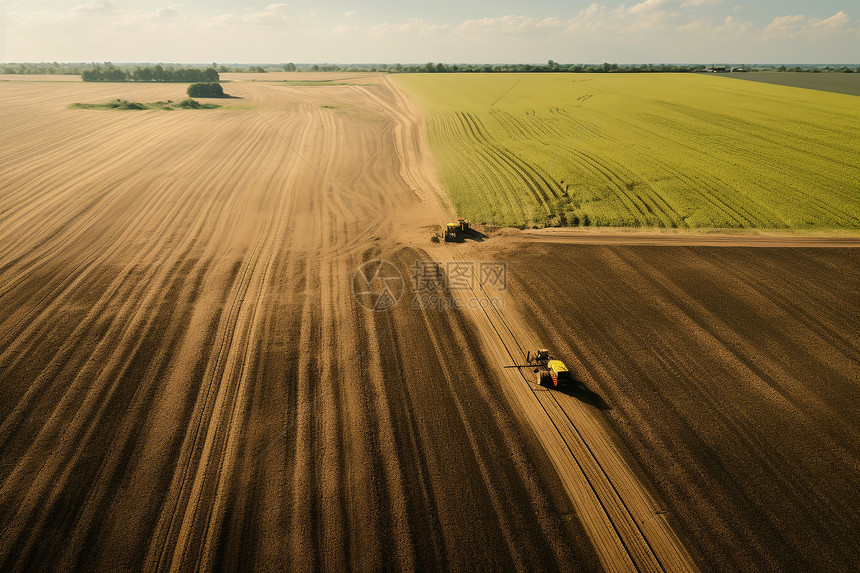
(163, 105)
(206, 89)
(129, 105)
(194, 104)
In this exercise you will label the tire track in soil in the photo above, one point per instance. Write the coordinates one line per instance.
(193, 385)
(748, 451)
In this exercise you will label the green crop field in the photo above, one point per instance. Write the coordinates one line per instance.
(632, 150)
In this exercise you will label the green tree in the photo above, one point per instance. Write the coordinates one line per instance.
(207, 89)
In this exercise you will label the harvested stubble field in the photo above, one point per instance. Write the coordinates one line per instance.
(631, 150)
(187, 381)
(731, 373)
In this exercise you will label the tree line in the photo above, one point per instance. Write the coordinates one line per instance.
(53, 68)
(441, 68)
(111, 73)
(170, 73)
(550, 66)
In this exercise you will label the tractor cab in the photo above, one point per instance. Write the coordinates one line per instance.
(541, 355)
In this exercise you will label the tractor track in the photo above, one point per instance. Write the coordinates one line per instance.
(637, 550)
(602, 502)
(189, 382)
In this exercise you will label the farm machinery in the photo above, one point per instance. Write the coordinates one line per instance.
(550, 372)
(455, 232)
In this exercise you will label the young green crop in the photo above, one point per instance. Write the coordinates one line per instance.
(660, 150)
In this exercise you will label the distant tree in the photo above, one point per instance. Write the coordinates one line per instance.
(291, 67)
(106, 73)
(142, 74)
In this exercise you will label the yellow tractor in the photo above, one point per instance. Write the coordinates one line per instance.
(549, 372)
(456, 232)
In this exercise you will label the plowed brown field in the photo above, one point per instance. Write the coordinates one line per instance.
(187, 380)
(731, 373)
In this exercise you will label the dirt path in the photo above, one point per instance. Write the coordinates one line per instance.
(624, 524)
(189, 382)
(608, 236)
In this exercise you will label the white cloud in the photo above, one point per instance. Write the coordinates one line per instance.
(168, 12)
(799, 25)
(648, 5)
(271, 15)
(350, 13)
(700, 25)
(511, 25)
(786, 25)
(342, 31)
(732, 28)
(95, 7)
(838, 21)
(413, 26)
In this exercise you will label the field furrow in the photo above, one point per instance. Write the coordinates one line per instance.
(189, 382)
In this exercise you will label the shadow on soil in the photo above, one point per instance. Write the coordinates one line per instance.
(581, 392)
(473, 235)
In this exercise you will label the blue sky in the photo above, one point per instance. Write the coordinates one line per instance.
(706, 31)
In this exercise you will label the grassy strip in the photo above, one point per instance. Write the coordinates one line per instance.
(134, 105)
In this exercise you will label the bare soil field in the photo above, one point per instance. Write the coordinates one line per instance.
(840, 83)
(662, 237)
(188, 382)
(732, 374)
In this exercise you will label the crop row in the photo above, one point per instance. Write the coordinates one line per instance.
(669, 151)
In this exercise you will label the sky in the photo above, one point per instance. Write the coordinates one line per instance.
(451, 31)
